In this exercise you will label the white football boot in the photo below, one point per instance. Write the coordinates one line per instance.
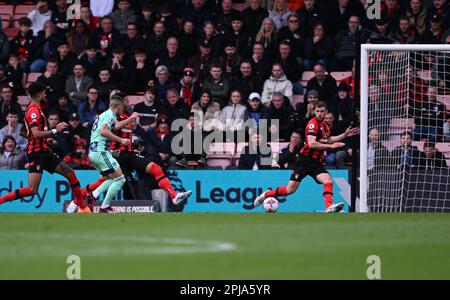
(180, 197)
(260, 199)
(72, 208)
(335, 207)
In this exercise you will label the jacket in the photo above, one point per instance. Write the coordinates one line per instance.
(219, 90)
(209, 119)
(232, 117)
(271, 85)
(247, 160)
(121, 19)
(15, 161)
(79, 94)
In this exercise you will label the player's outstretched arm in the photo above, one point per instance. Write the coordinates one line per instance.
(122, 124)
(39, 134)
(314, 144)
(348, 133)
(105, 132)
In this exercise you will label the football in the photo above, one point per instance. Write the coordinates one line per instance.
(270, 205)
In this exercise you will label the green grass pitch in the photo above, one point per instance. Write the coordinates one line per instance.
(225, 246)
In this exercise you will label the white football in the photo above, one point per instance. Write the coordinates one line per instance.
(270, 204)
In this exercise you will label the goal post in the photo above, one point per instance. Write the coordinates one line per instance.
(398, 107)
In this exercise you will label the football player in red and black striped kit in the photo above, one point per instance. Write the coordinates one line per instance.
(40, 157)
(311, 157)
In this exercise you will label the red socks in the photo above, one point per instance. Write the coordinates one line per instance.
(76, 188)
(162, 180)
(91, 187)
(17, 194)
(279, 191)
(328, 194)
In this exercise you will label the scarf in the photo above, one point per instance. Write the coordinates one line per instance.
(186, 94)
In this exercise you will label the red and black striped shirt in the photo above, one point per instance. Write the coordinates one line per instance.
(321, 130)
(124, 133)
(34, 117)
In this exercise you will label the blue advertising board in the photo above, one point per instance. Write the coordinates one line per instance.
(213, 191)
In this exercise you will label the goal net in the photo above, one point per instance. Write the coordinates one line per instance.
(405, 146)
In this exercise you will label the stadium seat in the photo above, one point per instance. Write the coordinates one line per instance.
(23, 101)
(219, 162)
(399, 125)
(418, 144)
(232, 168)
(444, 148)
(276, 147)
(296, 99)
(424, 74)
(135, 99)
(391, 144)
(338, 76)
(33, 77)
(307, 75)
(239, 6)
(6, 10)
(221, 150)
(23, 9)
(445, 99)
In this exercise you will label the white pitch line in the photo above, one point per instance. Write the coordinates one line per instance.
(148, 247)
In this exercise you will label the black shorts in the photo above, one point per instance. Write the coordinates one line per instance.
(130, 161)
(305, 166)
(42, 160)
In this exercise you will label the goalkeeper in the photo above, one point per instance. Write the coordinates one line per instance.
(311, 157)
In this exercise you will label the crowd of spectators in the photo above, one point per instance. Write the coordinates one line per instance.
(214, 66)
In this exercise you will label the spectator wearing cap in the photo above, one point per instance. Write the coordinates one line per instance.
(290, 65)
(253, 17)
(173, 107)
(11, 157)
(277, 82)
(139, 74)
(305, 110)
(78, 37)
(92, 60)
(122, 16)
(76, 129)
(319, 47)
(148, 107)
(382, 33)
(132, 41)
(223, 17)
(21, 44)
(417, 14)
(294, 36)
(60, 143)
(281, 109)
(78, 84)
(45, 46)
(217, 85)
(173, 59)
(325, 84)
(64, 107)
(39, 16)
(246, 82)
(187, 38)
(239, 36)
(230, 60)
(91, 108)
(53, 80)
(158, 140)
(441, 9)
(207, 112)
(344, 113)
(198, 12)
(66, 59)
(256, 111)
(78, 158)
(202, 61)
(433, 34)
(106, 37)
(405, 33)
(280, 13)
(189, 88)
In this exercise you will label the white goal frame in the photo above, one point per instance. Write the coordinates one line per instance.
(364, 88)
